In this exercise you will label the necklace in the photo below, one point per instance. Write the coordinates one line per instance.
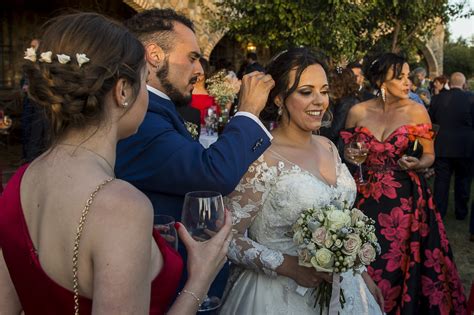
(91, 151)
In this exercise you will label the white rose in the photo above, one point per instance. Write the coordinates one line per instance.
(30, 54)
(81, 58)
(323, 260)
(367, 254)
(46, 56)
(352, 244)
(336, 219)
(328, 242)
(63, 59)
(338, 243)
(319, 236)
(356, 215)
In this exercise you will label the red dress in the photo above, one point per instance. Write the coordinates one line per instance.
(202, 102)
(38, 293)
(415, 271)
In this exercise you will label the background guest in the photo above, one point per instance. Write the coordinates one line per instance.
(440, 84)
(252, 64)
(453, 111)
(200, 97)
(357, 69)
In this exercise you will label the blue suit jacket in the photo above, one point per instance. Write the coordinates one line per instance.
(165, 162)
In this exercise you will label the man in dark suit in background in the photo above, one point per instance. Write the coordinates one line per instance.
(363, 94)
(453, 112)
(252, 64)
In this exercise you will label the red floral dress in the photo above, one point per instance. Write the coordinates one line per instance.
(415, 271)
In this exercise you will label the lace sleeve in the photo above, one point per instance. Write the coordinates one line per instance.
(245, 204)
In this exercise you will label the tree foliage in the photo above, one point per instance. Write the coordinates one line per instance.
(459, 56)
(342, 29)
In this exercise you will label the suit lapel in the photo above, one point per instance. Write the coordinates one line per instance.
(166, 107)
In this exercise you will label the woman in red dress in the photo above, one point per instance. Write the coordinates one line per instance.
(200, 98)
(416, 271)
(72, 237)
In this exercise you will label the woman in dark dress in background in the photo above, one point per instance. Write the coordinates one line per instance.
(415, 271)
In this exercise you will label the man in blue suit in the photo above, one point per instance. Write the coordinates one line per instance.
(162, 159)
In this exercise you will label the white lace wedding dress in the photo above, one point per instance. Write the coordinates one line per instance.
(265, 205)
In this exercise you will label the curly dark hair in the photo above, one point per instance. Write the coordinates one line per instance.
(343, 83)
(279, 68)
(157, 25)
(72, 95)
(377, 69)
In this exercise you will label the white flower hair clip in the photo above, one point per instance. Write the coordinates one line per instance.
(63, 59)
(81, 59)
(30, 54)
(46, 57)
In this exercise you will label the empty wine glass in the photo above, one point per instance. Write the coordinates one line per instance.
(203, 216)
(165, 225)
(356, 152)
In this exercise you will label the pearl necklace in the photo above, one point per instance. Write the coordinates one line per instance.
(91, 151)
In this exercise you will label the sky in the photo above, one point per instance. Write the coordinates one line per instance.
(462, 27)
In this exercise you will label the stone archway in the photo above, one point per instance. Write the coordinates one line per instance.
(433, 52)
(193, 9)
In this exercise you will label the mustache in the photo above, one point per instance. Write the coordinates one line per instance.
(193, 80)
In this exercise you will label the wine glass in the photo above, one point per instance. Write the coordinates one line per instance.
(203, 216)
(356, 152)
(165, 225)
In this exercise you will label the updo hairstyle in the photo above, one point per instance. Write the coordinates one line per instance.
(378, 69)
(279, 68)
(73, 95)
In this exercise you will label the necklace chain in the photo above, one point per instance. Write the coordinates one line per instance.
(91, 151)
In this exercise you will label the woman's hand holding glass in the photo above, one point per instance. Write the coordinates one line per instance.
(355, 152)
(205, 258)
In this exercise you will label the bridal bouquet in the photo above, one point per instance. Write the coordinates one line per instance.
(334, 239)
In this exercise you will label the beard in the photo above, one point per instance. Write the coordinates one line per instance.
(179, 99)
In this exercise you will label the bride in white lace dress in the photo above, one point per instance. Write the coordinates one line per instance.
(298, 171)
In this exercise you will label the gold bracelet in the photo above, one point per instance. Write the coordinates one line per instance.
(192, 294)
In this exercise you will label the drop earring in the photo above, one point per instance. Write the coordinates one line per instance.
(382, 92)
(280, 110)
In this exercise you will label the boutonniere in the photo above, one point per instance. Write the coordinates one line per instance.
(192, 129)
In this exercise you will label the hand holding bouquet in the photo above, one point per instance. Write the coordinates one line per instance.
(331, 239)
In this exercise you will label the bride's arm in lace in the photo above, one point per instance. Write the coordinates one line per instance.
(245, 204)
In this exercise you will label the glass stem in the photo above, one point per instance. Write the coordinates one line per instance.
(361, 178)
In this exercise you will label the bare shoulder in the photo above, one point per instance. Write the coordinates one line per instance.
(418, 112)
(357, 113)
(120, 203)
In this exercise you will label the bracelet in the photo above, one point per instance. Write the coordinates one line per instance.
(193, 295)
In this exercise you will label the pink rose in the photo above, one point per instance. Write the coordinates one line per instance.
(319, 236)
(367, 254)
(351, 244)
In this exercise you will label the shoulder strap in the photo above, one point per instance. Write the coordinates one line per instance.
(77, 240)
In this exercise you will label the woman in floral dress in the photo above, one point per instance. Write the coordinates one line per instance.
(416, 270)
